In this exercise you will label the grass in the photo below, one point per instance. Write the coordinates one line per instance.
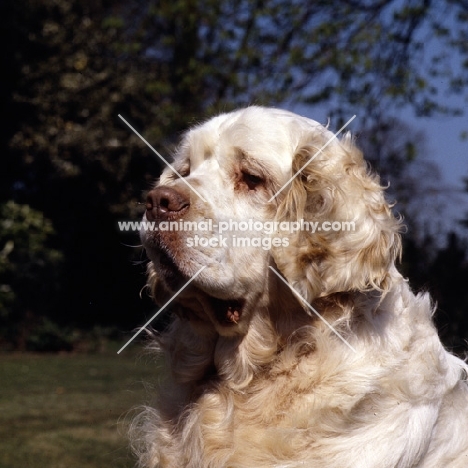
(69, 411)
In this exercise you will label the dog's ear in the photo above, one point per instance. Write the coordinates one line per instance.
(356, 238)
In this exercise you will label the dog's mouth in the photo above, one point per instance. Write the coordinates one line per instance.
(227, 312)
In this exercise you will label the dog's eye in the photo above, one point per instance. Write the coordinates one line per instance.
(251, 180)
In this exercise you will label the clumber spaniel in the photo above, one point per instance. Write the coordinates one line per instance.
(344, 371)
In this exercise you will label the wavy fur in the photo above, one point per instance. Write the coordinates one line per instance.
(278, 388)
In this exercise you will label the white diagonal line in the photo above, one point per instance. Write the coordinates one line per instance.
(162, 158)
(161, 309)
(313, 157)
(311, 308)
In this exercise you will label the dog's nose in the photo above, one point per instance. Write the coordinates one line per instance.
(164, 202)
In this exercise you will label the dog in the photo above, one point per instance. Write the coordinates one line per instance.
(302, 345)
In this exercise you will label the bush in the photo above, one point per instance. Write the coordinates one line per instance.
(50, 337)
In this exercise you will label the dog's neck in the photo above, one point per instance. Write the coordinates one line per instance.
(283, 322)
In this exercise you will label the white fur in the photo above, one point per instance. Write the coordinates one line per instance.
(279, 388)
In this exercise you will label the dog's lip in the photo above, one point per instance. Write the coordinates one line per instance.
(172, 275)
(227, 311)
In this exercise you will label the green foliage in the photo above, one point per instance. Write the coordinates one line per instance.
(28, 267)
(50, 337)
(112, 22)
(24, 232)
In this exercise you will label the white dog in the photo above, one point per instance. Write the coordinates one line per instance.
(297, 343)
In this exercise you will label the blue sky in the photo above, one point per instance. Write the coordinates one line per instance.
(450, 152)
(445, 147)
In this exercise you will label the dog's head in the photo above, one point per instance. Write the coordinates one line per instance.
(257, 188)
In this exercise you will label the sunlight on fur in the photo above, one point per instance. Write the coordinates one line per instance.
(253, 379)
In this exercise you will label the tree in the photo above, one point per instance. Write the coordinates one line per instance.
(163, 65)
(368, 55)
(464, 222)
(449, 274)
(398, 154)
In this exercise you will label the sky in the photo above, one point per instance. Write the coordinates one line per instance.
(445, 147)
(450, 152)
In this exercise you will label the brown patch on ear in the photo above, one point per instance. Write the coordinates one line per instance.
(336, 186)
(306, 194)
(317, 253)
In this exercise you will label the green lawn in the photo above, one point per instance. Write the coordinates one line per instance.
(69, 410)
